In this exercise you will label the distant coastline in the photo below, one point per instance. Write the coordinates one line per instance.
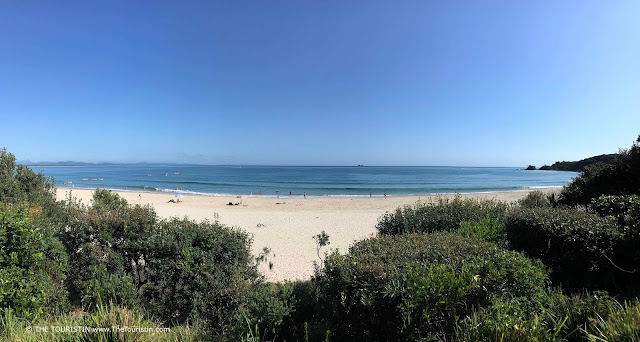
(576, 166)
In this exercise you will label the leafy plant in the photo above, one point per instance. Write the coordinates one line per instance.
(488, 229)
(443, 214)
(583, 251)
(418, 285)
(321, 240)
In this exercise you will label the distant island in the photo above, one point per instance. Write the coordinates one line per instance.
(577, 166)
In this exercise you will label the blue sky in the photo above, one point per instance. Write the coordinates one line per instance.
(477, 83)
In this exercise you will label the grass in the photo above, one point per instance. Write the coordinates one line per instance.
(98, 326)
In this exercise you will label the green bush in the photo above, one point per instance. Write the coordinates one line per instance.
(115, 289)
(26, 265)
(199, 270)
(90, 264)
(620, 178)
(625, 209)
(108, 238)
(583, 251)
(19, 184)
(488, 229)
(269, 307)
(416, 286)
(442, 215)
(535, 199)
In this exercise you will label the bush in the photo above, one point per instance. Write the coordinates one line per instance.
(535, 199)
(19, 184)
(620, 178)
(114, 289)
(488, 229)
(269, 308)
(199, 270)
(26, 265)
(625, 209)
(418, 285)
(108, 238)
(584, 251)
(442, 215)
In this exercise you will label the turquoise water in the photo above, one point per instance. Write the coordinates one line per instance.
(314, 181)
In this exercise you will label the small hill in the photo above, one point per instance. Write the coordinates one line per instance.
(578, 166)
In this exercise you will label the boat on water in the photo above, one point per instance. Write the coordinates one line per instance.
(100, 178)
(148, 175)
(166, 174)
(176, 173)
(85, 178)
(94, 179)
(68, 182)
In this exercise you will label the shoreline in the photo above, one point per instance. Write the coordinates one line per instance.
(286, 225)
(310, 196)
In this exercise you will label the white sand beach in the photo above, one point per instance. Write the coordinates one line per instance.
(286, 228)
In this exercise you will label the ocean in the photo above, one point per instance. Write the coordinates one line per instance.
(316, 181)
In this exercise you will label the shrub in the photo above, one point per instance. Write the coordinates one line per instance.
(27, 265)
(418, 285)
(582, 249)
(625, 209)
(117, 289)
(268, 308)
(535, 199)
(620, 178)
(442, 215)
(91, 264)
(199, 270)
(108, 238)
(18, 183)
(488, 229)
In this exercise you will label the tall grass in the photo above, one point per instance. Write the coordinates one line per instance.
(621, 326)
(103, 321)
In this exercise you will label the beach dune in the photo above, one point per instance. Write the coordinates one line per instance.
(286, 225)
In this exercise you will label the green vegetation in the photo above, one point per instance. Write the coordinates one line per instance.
(417, 286)
(547, 268)
(444, 214)
(488, 229)
(619, 178)
(583, 250)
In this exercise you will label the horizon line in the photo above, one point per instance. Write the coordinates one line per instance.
(75, 163)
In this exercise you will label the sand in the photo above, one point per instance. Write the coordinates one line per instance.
(286, 228)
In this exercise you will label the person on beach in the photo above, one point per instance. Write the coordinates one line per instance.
(277, 193)
(385, 195)
(289, 193)
(370, 195)
(305, 194)
(139, 196)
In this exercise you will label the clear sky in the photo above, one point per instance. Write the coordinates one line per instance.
(477, 83)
